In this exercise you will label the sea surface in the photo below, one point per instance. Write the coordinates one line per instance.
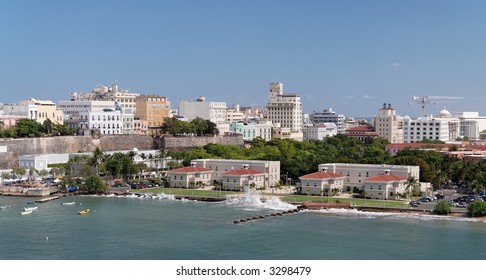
(132, 228)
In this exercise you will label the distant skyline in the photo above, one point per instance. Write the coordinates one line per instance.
(348, 55)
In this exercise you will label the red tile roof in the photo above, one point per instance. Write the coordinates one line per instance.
(386, 178)
(189, 169)
(243, 172)
(322, 175)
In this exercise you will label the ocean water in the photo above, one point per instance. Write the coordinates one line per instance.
(129, 228)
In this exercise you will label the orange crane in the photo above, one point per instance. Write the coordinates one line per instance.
(434, 99)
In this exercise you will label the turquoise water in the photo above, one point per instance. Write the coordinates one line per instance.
(165, 229)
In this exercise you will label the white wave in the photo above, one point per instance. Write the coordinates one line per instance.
(254, 203)
(398, 215)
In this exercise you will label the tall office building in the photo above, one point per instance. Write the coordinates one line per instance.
(388, 124)
(285, 111)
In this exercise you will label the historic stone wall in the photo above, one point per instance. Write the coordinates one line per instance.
(126, 142)
(74, 144)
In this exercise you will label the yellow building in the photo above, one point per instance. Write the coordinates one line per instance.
(153, 109)
(38, 110)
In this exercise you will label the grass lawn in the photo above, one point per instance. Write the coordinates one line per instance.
(357, 201)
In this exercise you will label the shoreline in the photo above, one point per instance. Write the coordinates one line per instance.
(299, 205)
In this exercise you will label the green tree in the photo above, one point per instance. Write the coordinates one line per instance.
(412, 186)
(19, 171)
(28, 128)
(476, 209)
(442, 208)
(94, 184)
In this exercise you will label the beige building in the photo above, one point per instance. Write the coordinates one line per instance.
(385, 186)
(321, 183)
(38, 110)
(388, 124)
(285, 111)
(357, 174)
(221, 166)
(189, 177)
(153, 109)
(241, 178)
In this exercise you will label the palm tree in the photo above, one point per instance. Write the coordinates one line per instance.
(96, 159)
(411, 185)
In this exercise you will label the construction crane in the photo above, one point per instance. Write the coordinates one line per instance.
(434, 99)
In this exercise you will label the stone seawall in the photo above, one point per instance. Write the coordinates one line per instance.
(185, 143)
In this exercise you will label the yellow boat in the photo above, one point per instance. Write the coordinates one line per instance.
(84, 212)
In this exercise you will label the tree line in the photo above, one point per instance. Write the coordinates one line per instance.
(30, 128)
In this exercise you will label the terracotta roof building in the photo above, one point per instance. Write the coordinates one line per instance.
(240, 178)
(322, 183)
(189, 177)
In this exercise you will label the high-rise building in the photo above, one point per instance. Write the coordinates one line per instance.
(285, 110)
(388, 124)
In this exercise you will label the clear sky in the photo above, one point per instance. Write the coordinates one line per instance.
(350, 55)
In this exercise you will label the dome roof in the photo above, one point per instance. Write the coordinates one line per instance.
(444, 113)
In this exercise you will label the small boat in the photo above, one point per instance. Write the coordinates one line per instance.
(30, 208)
(68, 203)
(4, 206)
(84, 212)
(25, 212)
(30, 202)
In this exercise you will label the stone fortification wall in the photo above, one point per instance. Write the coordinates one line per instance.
(184, 143)
(44, 145)
(126, 142)
(74, 144)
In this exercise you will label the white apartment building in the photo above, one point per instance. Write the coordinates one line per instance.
(285, 110)
(234, 114)
(107, 122)
(388, 124)
(329, 116)
(221, 166)
(213, 111)
(71, 109)
(357, 174)
(471, 124)
(319, 132)
(125, 99)
(38, 110)
(443, 127)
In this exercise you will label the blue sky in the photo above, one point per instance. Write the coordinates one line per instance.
(350, 55)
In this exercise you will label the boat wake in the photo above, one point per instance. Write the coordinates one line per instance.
(392, 215)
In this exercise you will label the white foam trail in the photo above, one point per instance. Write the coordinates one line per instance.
(374, 215)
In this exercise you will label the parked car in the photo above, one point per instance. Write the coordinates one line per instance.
(439, 196)
(425, 199)
(414, 203)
